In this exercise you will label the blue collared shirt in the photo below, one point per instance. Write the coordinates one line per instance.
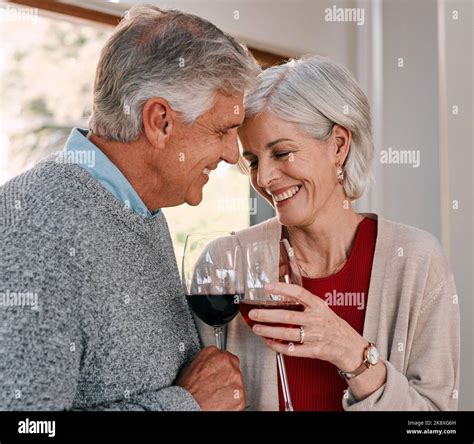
(80, 150)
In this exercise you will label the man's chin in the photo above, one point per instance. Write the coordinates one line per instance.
(194, 200)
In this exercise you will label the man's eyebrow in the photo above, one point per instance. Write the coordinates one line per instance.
(275, 142)
(226, 128)
(247, 153)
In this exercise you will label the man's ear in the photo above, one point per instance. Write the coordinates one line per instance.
(343, 138)
(157, 121)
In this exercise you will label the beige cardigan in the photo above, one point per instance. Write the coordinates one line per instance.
(412, 316)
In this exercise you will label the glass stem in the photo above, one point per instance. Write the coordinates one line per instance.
(218, 332)
(284, 383)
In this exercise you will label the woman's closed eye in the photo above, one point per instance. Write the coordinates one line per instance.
(253, 163)
(282, 155)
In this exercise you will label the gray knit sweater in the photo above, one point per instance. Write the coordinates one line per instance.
(92, 316)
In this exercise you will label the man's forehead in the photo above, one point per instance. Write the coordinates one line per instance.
(228, 119)
(229, 102)
(227, 111)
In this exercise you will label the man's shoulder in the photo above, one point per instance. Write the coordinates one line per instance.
(40, 196)
(46, 175)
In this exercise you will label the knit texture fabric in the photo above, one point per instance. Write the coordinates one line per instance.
(92, 313)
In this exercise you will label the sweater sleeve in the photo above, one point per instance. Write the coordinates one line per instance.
(40, 353)
(435, 344)
(173, 398)
(41, 339)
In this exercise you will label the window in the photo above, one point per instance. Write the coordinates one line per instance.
(47, 71)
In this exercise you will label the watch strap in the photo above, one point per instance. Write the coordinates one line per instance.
(362, 367)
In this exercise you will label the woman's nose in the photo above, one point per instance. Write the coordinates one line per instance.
(266, 174)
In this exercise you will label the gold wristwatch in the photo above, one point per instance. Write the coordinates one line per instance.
(371, 358)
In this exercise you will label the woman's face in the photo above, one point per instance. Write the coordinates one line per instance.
(293, 171)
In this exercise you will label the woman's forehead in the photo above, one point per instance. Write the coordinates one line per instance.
(266, 131)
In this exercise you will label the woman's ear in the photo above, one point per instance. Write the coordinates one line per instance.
(157, 121)
(343, 138)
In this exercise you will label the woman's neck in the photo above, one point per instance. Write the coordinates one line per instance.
(322, 247)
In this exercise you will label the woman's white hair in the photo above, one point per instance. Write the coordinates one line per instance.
(164, 53)
(316, 93)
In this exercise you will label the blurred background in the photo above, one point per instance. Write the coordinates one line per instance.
(414, 60)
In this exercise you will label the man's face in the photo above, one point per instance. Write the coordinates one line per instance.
(193, 151)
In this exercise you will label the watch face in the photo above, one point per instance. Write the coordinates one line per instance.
(373, 355)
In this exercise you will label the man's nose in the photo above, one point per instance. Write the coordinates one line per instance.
(231, 151)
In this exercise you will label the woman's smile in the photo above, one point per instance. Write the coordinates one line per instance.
(285, 196)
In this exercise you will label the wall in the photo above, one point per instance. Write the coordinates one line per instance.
(457, 172)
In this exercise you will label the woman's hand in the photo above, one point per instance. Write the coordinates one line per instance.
(326, 335)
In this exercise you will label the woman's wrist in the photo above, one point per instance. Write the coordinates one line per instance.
(368, 382)
(352, 357)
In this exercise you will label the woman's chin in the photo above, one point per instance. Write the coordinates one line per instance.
(290, 217)
(290, 214)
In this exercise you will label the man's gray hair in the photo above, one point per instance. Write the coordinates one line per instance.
(315, 93)
(164, 53)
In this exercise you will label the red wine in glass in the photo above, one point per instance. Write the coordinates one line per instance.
(213, 278)
(266, 262)
(214, 310)
(247, 304)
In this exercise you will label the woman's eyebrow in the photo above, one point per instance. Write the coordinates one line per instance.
(275, 142)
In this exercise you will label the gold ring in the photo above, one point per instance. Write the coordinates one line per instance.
(301, 335)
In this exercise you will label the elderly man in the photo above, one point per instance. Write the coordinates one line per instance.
(87, 240)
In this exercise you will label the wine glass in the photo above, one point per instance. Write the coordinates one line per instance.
(213, 278)
(268, 262)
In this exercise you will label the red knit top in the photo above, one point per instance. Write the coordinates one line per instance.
(314, 384)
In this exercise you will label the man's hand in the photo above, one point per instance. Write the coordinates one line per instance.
(214, 379)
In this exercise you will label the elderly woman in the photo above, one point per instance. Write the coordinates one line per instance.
(380, 328)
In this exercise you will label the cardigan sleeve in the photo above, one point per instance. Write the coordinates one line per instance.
(432, 374)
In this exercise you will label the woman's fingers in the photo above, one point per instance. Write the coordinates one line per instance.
(276, 316)
(285, 334)
(290, 349)
(294, 291)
